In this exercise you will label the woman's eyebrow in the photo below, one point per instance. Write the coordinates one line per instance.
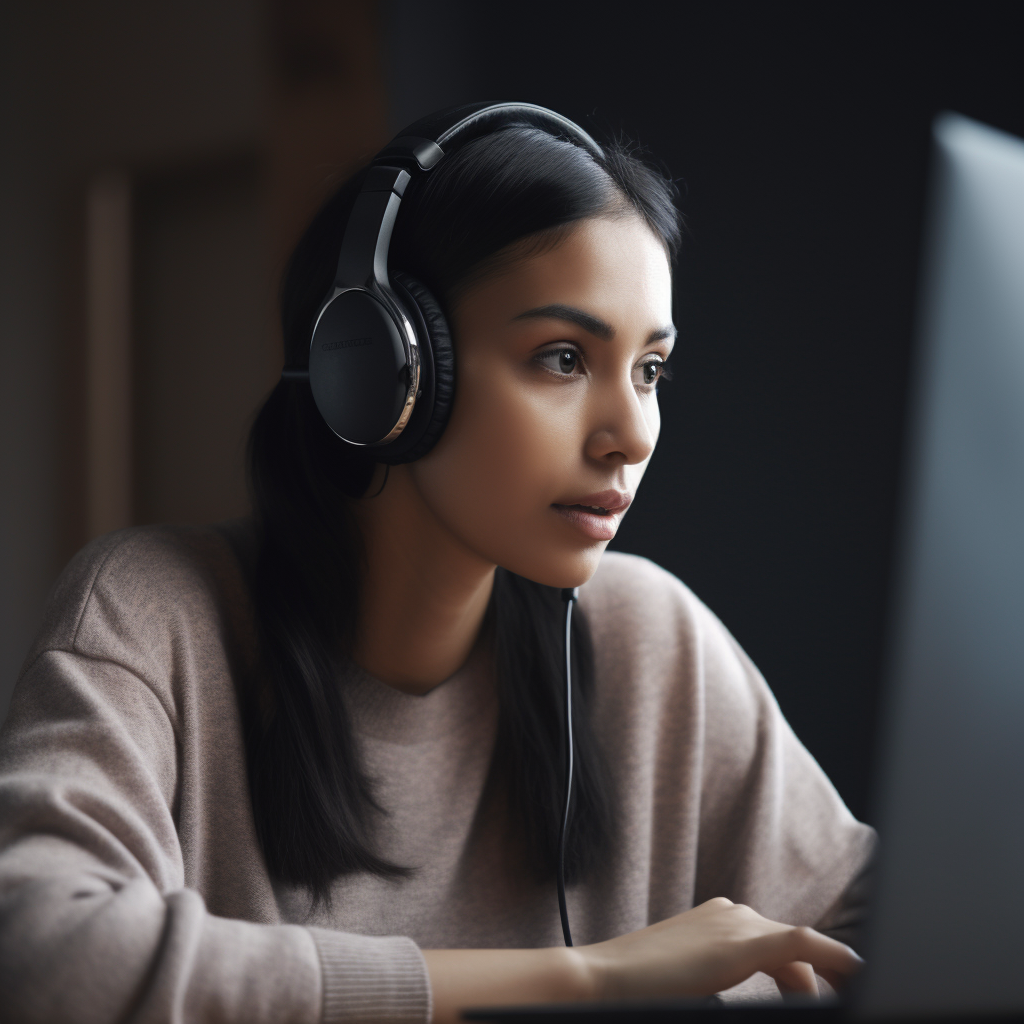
(590, 323)
(557, 311)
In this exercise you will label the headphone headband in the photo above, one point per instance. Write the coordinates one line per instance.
(417, 149)
(424, 142)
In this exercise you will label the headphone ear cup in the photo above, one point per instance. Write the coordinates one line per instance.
(441, 362)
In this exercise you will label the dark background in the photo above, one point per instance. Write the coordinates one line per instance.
(798, 134)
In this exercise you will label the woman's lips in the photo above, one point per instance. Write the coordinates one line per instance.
(596, 515)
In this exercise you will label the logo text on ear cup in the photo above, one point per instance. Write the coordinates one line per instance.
(330, 346)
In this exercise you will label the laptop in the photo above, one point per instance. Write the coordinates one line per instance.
(945, 937)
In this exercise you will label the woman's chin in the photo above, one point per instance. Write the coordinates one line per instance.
(561, 568)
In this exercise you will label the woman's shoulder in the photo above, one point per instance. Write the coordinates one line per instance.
(135, 594)
(654, 637)
(630, 595)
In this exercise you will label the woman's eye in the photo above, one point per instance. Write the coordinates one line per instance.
(650, 372)
(564, 361)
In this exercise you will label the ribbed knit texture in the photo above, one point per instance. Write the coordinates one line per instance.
(380, 981)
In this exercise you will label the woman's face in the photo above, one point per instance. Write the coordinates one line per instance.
(555, 414)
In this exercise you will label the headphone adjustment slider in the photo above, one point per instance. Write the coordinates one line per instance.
(425, 152)
(382, 178)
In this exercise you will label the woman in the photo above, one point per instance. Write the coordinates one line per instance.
(310, 768)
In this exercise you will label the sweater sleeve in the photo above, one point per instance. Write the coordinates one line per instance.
(96, 921)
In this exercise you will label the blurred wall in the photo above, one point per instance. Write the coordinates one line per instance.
(798, 134)
(158, 163)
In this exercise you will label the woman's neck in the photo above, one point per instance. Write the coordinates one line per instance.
(423, 595)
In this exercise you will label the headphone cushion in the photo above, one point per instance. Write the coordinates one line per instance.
(443, 358)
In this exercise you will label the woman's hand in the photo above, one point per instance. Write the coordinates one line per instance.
(711, 948)
(706, 950)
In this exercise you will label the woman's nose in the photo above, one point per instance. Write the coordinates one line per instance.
(625, 424)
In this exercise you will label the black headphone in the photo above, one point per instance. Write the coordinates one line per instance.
(381, 367)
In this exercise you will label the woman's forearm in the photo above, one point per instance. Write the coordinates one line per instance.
(461, 978)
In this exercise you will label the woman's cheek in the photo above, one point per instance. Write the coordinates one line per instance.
(516, 452)
(505, 456)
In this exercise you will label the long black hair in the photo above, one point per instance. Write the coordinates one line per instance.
(313, 804)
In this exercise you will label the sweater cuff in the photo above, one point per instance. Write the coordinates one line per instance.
(372, 980)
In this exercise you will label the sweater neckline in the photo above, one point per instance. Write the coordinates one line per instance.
(464, 701)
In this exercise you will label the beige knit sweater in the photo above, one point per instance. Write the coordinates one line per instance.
(131, 884)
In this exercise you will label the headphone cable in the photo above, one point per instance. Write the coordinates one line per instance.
(569, 595)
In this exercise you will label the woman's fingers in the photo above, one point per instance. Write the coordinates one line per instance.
(835, 962)
(836, 980)
(796, 978)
